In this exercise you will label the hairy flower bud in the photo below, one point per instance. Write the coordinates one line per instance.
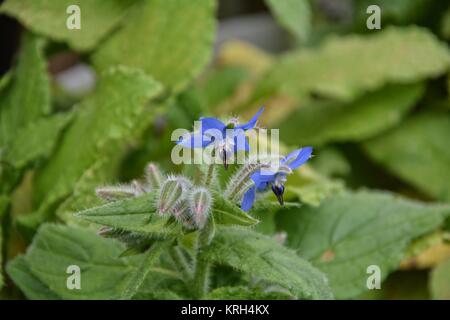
(241, 177)
(172, 192)
(119, 192)
(153, 176)
(200, 203)
(183, 214)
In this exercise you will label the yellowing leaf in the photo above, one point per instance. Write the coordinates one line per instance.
(344, 68)
(97, 18)
(174, 37)
(104, 123)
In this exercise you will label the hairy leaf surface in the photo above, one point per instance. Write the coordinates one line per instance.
(264, 258)
(352, 231)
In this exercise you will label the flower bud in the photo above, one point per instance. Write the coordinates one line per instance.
(200, 204)
(137, 187)
(105, 231)
(241, 177)
(183, 214)
(153, 176)
(172, 192)
(119, 192)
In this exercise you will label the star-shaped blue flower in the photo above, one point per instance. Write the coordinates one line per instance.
(227, 138)
(262, 179)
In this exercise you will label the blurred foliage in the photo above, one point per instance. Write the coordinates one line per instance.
(375, 105)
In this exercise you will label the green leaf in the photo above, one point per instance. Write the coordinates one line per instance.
(135, 214)
(440, 281)
(294, 15)
(310, 187)
(399, 11)
(260, 256)
(169, 51)
(320, 123)
(227, 213)
(84, 195)
(104, 123)
(143, 269)
(445, 25)
(36, 140)
(352, 231)
(33, 288)
(103, 274)
(345, 68)
(4, 202)
(27, 97)
(418, 152)
(245, 293)
(220, 84)
(97, 19)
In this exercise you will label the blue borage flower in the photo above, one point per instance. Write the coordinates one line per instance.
(264, 178)
(227, 138)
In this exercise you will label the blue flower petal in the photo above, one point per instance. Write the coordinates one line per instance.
(194, 141)
(298, 157)
(212, 123)
(252, 122)
(248, 199)
(262, 178)
(241, 142)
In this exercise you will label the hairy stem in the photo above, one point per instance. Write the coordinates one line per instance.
(201, 273)
(209, 175)
(181, 263)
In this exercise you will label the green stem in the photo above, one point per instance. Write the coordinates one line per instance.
(201, 273)
(205, 235)
(209, 175)
(181, 263)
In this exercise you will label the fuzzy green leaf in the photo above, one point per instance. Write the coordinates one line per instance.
(294, 15)
(169, 51)
(320, 123)
(105, 122)
(36, 140)
(245, 293)
(26, 97)
(97, 18)
(352, 231)
(103, 274)
(418, 152)
(84, 194)
(135, 214)
(33, 288)
(227, 213)
(264, 258)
